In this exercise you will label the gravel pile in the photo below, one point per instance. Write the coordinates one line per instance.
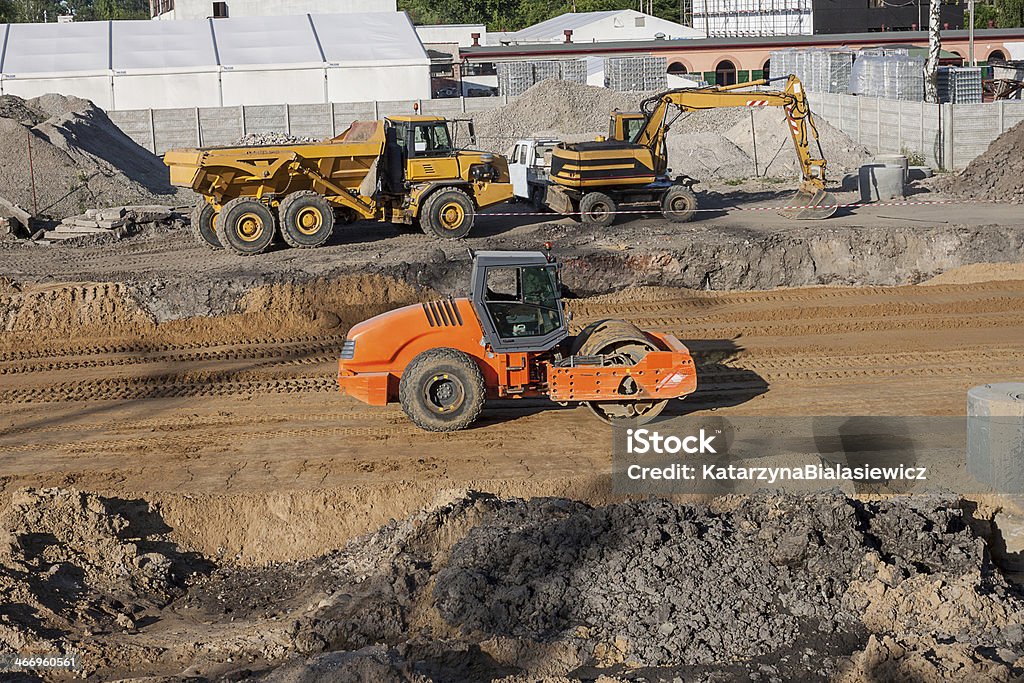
(996, 175)
(271, 138)
(81, 160)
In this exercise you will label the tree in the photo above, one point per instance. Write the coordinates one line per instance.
(1010, 12)
(512, 15)
(983, 13)
(8, 12)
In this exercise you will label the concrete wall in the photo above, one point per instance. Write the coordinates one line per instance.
(159, 130)
(948, 136)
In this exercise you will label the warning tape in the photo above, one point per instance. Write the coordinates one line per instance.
(653, 209)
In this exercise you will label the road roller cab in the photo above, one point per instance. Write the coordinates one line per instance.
(509, 339)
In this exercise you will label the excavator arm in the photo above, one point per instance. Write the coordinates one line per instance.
(657, 113)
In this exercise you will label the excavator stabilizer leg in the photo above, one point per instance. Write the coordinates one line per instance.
(811, 205)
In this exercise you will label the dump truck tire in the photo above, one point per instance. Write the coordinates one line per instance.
(203, 221)
(597, 208)
(448, 213)
(628, 344)
(246, 226)
(679, 204)
(306, 219)
(442, 390)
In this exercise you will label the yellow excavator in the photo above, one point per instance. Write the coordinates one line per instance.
(630, 167)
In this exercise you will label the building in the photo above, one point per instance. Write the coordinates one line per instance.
(221, 9)
(740, 18)
(737, 59)
(594, 27)
(302, 59)
(463, 35)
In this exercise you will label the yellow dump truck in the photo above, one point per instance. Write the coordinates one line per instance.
(402, 169)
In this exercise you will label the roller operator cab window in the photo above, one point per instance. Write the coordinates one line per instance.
(523, 302)
(431, 139)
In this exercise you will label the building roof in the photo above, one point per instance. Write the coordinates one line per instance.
(97, 47)
(489, 52)
(553, 28)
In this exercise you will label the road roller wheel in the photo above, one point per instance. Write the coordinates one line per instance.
(307, 219)
(442, 390)
(246, 226)
(626, 345)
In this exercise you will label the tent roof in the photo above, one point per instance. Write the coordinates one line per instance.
(52, 48)
(358, 39)
(378, 37)
(178, 44)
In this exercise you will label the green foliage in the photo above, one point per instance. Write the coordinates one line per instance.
(512, 15)
(1010, 13)
(982, 15)
(17, 11)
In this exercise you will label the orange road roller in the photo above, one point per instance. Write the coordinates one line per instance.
(509, 339)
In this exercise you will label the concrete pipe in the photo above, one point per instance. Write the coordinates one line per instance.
(879, 182)
(894, 160)
(995, 436)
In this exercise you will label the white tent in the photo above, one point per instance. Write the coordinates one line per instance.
(357, 51)
(157, 65)
(39, 59)
(301, 59)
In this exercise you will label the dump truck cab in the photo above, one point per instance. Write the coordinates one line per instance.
(509, 339)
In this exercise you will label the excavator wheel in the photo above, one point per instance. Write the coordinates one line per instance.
(679, 204)
(307, 219)
(448, 214)
(627, 345)
(204, 220)
(246, 226)
(597, 208)
(442, 390)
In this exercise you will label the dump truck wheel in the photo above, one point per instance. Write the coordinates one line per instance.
(246, 226)
(442, 390)
(204, 219)
(679, 204)
(306, 218)
(625, 345)
(448, 214)
(597, 208)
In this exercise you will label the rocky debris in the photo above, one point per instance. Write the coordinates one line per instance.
(14, 216)
(273, 138)
(996, 175)
(79, 159)
(74, 564)
(119, 221)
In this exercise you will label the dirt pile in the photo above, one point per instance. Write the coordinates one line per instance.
(80, 159)
(995, 175)
(71, 564)
(551, 108)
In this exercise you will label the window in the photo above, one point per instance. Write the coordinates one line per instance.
(523, 302)
(633, 128)
(220, 10)
(431, 139)
(725, 73)
(766, 71)
(677, 69)
(639, 22)
(997, 56)
(522, 154)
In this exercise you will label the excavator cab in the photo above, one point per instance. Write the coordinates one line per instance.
(517, 297)
(625, 126)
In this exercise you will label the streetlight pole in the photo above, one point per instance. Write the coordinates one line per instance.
(970, 32)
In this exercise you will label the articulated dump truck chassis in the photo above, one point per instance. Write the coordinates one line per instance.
(402, 169)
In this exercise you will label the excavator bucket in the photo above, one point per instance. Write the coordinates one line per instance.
(807, 205)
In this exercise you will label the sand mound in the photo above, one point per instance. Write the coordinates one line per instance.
(81, 160)
(979, 272)
(996, 175)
